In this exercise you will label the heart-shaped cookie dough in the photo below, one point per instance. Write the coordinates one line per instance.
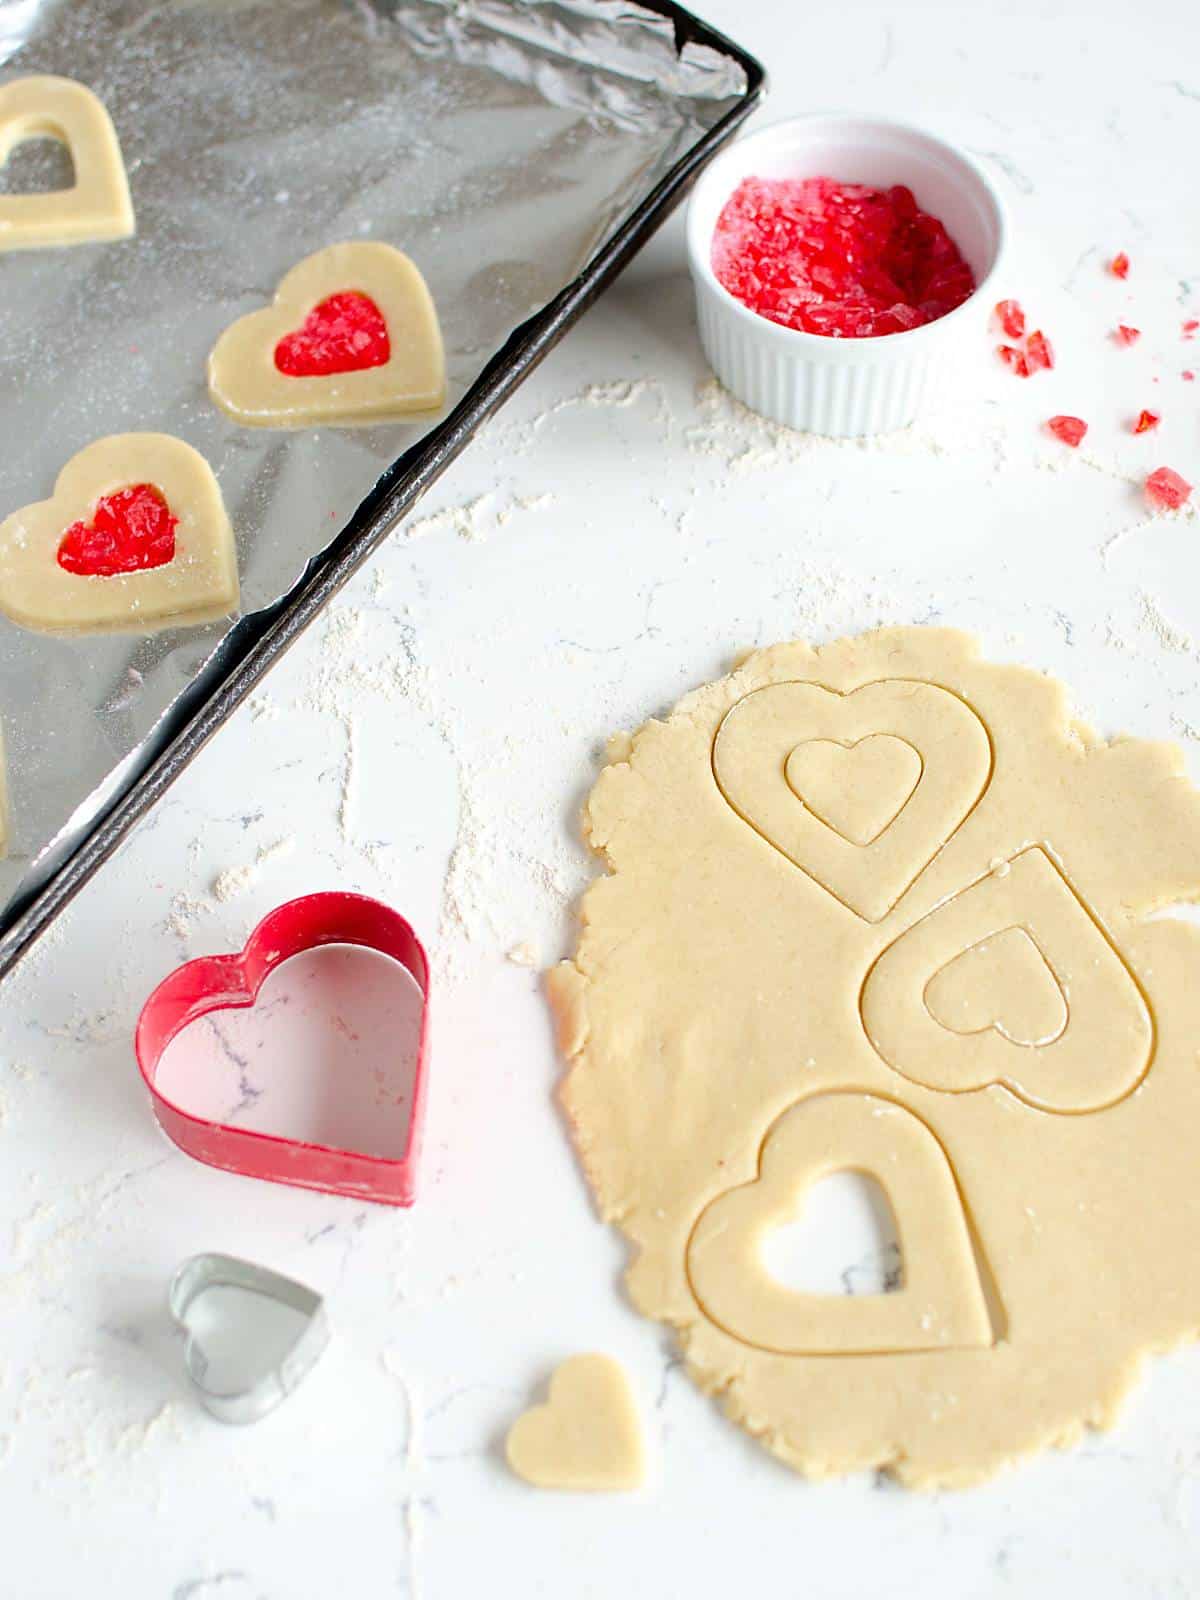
(858, 790)
(940, 1303)
(258, 1389)
(303, 360)
(586, 1436)
(757, 763)
(197, 584)
(97, 205)
(1004, 983)
(1103, 1044)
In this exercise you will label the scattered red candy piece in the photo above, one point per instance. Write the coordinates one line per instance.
(1014, 359)
(1125, 335)
(344, 333)
(1069, 429)
(1039, 350)
(1166, 490)
(1011, 318)
(1146, 420)
(1188, 377)
(840, 259)
(1119, 265)
(130, 531)
(1190, 326)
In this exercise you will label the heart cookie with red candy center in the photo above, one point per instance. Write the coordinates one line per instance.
(134, 538)
(352, 336)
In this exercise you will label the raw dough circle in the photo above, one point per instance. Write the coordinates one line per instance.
(1029, 1015)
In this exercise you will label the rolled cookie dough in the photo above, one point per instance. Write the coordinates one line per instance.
(199, 584)
(714, 1014)
(97, 205)
(244, 380)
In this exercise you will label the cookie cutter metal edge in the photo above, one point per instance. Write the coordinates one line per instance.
(218, 983)
(211, 1270)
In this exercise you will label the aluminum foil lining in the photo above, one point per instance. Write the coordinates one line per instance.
(498, 142)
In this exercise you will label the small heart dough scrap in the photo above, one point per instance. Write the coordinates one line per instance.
(246, 379)
(97, 205)
(197, 584)
(586, 1436)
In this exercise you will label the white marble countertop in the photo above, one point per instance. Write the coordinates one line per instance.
(615, 537)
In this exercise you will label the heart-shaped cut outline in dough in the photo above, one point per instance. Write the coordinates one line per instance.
(1101, 1055)
(959, 995)
(940, 1304)
(755, 741)
(97, 206)
(856, 789)
(262, 1393)
(245, 382)
(586, 1436)
(198, 585)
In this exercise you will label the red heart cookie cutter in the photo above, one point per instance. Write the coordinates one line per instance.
(219, 983)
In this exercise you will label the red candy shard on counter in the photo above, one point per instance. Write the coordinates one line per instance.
(1014, 358)
(1119, 265)
(1039, 351)
(344, 333)
(1166, 490)
(1069, 429)
(1146, 420)
(1188, 377)
(1011, 318)
(840, 259)
(1125, 335)
(130, 531)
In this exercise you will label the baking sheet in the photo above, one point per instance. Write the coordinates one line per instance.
(502, 144)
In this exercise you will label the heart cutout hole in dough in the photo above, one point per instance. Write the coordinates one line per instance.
(325, 1055)
(844, 1241)
(38, 164)
(857, 789)
(1002, 982)
(240, 1335)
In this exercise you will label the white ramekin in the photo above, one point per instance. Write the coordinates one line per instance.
(843, 387)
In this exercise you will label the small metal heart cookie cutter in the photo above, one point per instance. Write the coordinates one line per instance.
(253, 1401)
(214, 983)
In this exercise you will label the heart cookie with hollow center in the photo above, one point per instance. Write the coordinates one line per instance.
(586, 1436)
(753, 763)
(859, 789)
(939, 1304)
(352, 336)
(134, 538)
(1004, 983)
(97, 205)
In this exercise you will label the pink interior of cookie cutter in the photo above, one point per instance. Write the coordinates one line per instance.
(216, 983)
